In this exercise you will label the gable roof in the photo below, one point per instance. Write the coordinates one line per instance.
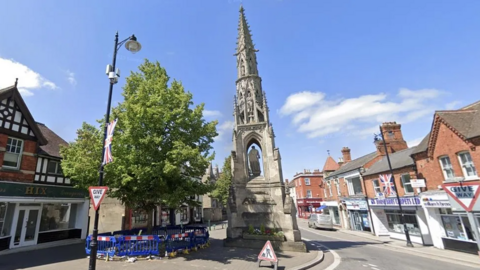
(330, 165)
(52, 148)
(354, 164)
(398, 160)
(13, 93)
(422, 146)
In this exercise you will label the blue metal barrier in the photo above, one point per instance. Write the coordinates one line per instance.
(180, 241)
(138, 245)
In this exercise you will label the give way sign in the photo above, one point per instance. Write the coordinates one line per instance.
(465, 194)
(96, 195)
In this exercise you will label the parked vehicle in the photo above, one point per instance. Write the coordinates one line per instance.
(321, 221)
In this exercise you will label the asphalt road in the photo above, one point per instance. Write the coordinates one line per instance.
(355, 253)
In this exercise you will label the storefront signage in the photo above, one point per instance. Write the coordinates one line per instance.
(464, 195)
(436, 204)
(314, 202)
(417, 183)
(356, 205)
(8, 189)
(406, 201)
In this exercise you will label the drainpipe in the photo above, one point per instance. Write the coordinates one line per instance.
(360, 171)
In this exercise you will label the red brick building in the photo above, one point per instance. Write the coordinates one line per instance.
(37, 203)
(450, 153)
(308, 191)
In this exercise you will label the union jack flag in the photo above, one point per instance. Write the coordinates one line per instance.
(107, 156)
(387, 182)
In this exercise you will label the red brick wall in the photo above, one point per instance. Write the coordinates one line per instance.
(315, 186)
(447, 143)
(28, 162)
(368, 180)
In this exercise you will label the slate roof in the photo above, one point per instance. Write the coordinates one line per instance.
(422, 146)
(52, 148)
(330, 165)
(354, 164)
(398, 160)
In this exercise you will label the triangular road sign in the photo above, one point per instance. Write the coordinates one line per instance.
(96, 195)
(466, 194)
(267, 253)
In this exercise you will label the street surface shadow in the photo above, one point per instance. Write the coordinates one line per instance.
(338, 245)
(39, 257)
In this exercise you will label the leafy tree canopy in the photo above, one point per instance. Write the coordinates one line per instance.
(161, 144)
(223, 183)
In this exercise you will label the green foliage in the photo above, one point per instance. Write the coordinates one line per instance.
(251, 229)
(160, 147)
(222, 186)
(262, 228)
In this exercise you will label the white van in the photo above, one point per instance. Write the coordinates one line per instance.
(321, 221)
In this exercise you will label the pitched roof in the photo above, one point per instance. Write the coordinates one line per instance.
(330, 165)
(466, 122)
(422, 146)
(13, 93)
(398, 160)
(354, 164)
(291, 183)
(52, 148)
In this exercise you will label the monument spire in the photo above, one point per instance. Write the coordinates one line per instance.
(246, 52)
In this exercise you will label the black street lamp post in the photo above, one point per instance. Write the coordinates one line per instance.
(133, 46)
(402, 215)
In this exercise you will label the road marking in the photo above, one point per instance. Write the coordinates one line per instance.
(372, 265)
(336, 258)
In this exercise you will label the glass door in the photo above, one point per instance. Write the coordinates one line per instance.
(26, 228)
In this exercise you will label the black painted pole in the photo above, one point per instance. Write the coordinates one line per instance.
(94, 244)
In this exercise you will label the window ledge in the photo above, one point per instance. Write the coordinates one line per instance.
(472, 178)
(7, 169)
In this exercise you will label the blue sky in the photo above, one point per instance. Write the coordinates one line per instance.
(332, 70)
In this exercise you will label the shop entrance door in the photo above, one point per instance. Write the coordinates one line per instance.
(357, 221)
(26, 225)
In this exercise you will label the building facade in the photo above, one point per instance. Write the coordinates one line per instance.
(213, 209)
(308, 192)
(37, 203)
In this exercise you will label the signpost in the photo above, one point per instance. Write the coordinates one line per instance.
(267, 254)
(96, 195)
(466, 196)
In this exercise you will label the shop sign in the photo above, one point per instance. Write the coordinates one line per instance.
(436, 201)
(356, 205)
(8, 189)
(417, 183)
(309, 201)
(406, 201)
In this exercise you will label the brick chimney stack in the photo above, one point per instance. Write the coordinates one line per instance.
(392, 133)
(347, 157)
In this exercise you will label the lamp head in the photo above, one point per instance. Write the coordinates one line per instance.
(133, 45)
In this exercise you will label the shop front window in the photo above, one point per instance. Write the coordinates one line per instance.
(395, 222)
(336, 216)
(6, 217)
(458, 227)
(58, 216)
(184, 214)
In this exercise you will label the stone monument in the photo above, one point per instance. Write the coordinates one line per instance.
(258, 197)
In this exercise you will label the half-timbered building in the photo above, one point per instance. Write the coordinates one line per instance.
(37, 203)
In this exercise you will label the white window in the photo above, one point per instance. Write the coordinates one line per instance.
(377, 187)
(337, 186)
(407, 186)
(446, 167)
(354, 186)
(13, 153)
(54, 167)
(309, 193)
(307, 181)
(324, 193)
(329, 189)
(468, 167)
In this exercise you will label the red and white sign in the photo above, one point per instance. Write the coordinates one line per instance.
(465, 194)
(267, 253)
(96, 195)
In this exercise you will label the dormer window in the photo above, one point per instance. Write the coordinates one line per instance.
(13, 153)
(54, 167)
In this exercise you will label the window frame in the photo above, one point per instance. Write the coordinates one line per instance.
(337, 186)
(309, 191)
(307, 183)
(376, 186)
(462, 165)
(20, 155)
(408, 184)
(329, 189)
(444, 170)
(57, 166)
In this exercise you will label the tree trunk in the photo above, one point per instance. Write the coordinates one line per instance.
(172, 217)
(149, 221)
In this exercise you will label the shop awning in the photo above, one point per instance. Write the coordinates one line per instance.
(321, 207)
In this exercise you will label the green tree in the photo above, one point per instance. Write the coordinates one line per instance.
(160, 147)
(222, 186)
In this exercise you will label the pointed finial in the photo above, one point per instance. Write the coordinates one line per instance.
(241, 7)
(16, 82)
(328, 151)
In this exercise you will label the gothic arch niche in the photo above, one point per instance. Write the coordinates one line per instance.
(254, 155)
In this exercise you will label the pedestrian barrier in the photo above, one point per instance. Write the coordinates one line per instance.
(128, 243)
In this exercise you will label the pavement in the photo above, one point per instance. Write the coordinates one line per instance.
(348, 250)
(215, 257)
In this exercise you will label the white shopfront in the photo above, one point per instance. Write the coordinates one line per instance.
(386, 219)
(332, 210)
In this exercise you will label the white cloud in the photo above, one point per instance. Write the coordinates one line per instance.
(208, 113)
(316, 116)
(453, 105)
(414, 142)
(224, 128)
(28, 80)
(71, 77)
